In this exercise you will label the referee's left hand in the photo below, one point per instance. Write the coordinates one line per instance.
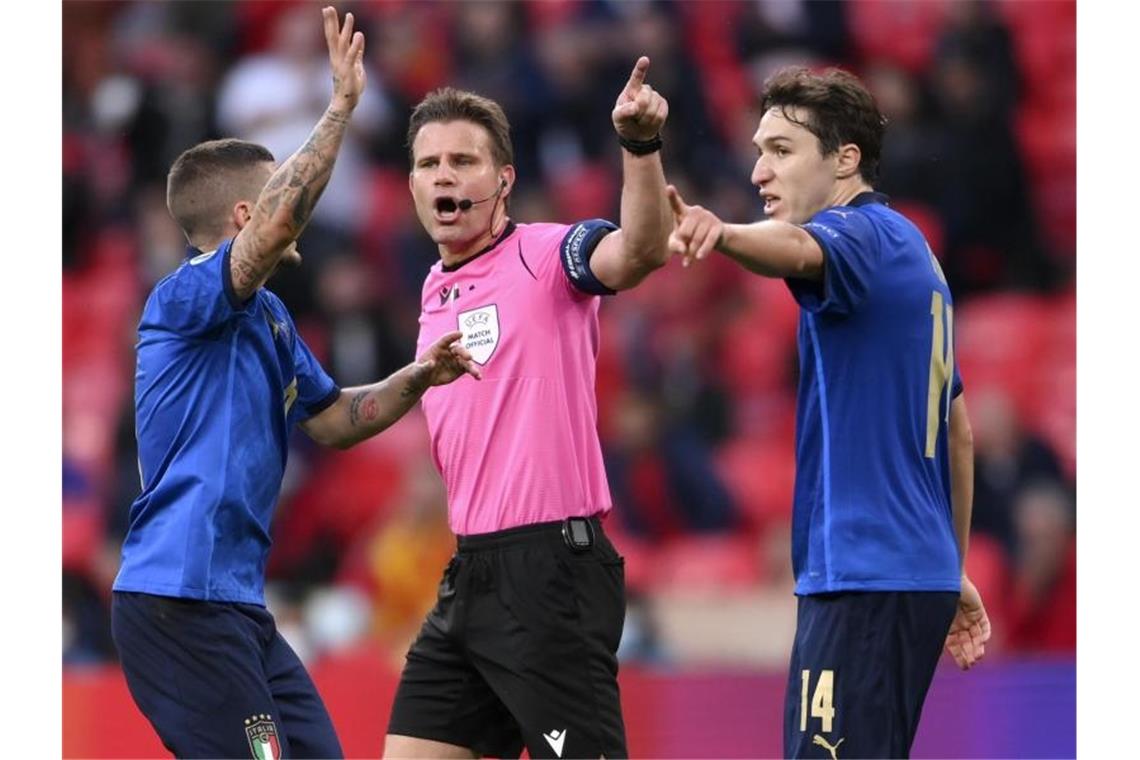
(640, 111)
(447, 360)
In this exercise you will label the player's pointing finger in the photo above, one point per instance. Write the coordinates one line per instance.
(675, 201)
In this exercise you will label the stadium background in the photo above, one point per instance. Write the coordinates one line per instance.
(696, 378)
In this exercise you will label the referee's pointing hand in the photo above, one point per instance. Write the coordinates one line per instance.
(640, 111)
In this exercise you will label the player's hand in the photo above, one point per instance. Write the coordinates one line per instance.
(640, 111)
(346, 57)
(696, 230)
(448, 360)
(970, 629)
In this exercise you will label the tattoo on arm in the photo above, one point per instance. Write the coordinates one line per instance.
(363, 409)
(286, 203)
(419, 382)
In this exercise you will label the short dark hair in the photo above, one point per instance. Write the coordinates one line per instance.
(206, 180)
(449, 104)
(840, 109)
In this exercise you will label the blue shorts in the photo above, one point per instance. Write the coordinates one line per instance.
(217, 679)
(861, 666)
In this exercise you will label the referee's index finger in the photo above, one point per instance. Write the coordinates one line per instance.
(637, 76)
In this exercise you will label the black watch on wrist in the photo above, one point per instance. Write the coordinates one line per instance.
(641, 147)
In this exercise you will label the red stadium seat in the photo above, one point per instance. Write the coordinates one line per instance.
(584, 192)
(83, 527)
(927, 220)
(760, 475)
(898, 31)
(989, 568)
(712, 562)
(1048, 140)
(1002, 339)
(1045, 42)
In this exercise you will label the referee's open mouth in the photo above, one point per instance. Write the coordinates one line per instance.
(446, 210)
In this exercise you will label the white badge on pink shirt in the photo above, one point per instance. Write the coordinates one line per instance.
(480, 331)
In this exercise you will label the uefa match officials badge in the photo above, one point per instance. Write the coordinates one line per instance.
(480, 331)
(262, 735)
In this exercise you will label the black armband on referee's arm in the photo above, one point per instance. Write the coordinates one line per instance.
(641, 147)
(575, 252)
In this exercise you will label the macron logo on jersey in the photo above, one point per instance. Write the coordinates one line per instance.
(556, 739)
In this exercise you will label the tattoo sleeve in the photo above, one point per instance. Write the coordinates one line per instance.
(286, 203)
(417, 383)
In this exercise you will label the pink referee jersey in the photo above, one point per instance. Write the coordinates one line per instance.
(521, 445)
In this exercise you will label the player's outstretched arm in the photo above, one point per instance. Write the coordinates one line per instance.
(286, 203)
(624, 258)
(364, 411)
(770, 248)
(970, 629)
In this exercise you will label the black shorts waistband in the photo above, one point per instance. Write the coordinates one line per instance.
(520, 534)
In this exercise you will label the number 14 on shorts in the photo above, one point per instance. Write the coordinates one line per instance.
(821, 699)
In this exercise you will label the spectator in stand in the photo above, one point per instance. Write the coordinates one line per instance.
(397, 564)
(1043, 614)
(661, 474)
(908, 166)
(273, 99)
(1007, 458)
(993, 240)
(974, 31)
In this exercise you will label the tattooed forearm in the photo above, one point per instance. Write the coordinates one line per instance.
(419, 382)
(286, 203)
(363, 410)
(245, 277)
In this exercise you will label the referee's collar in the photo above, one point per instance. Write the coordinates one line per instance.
(506, 233)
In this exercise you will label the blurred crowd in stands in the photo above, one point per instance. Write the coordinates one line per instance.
(697, 368)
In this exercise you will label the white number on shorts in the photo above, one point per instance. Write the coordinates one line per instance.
(821, 701)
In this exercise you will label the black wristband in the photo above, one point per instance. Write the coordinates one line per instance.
(641, 147)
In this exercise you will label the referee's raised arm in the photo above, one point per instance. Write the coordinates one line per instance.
(624, 258)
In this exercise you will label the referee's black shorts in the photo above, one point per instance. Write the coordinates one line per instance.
(521, 647)
(861, 665)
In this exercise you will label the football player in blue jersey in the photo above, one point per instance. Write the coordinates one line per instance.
(884, 456)
(221, 379)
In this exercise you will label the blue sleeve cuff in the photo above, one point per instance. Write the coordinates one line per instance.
(324, 403)
(577, 247)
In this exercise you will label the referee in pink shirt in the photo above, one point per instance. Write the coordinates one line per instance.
(520, 648)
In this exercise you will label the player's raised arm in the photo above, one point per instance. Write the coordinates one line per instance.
(364, 411)
(771, 248)
(286, 203)
(625, 257)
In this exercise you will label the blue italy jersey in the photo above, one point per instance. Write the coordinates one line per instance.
(218, 386)
(872, 505)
